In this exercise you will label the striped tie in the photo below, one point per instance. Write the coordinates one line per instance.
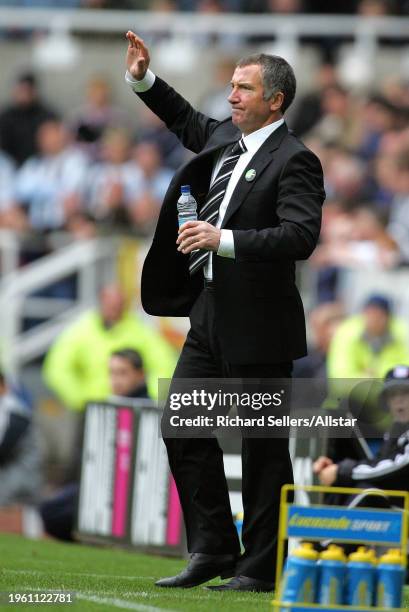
(210, 209)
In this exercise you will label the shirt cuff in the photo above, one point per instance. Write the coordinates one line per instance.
(142, 85)
(226, 246)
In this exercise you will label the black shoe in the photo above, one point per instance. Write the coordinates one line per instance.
(244, 583)
(201, 568)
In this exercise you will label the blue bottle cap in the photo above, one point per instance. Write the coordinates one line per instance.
(185, 189)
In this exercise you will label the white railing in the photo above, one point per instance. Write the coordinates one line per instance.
(82, 20)
(93, 262)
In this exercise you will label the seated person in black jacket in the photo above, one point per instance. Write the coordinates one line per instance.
(390, 468)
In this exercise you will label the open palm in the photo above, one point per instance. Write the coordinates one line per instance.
(137, 57)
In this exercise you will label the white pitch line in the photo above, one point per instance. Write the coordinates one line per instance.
(125, 577)
(114, 602)
(120, 603)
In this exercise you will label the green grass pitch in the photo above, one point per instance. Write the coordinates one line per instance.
(108, 579)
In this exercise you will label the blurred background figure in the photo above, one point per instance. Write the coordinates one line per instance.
(49, 186)
(76, 366)
(390, 467)
(152, 129)
(368, 344)
(155, 180)
(214, 103)
(114, 183)
(97, 115)
(7, 178)
(126, 374)
(309, 110)
(21, 118)
(323, 322)
(20, 463)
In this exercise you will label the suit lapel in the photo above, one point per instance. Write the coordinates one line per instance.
(258, 162)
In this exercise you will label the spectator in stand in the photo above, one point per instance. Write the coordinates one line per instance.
(153, 129)
(344, 175)
(127, 375)
(20, 120)
(20, 463)
(390, 467)
(368, 344)
(76, 366)
(124, 190)
(365, 346)
(379, 116)
(350, 238)
(398, 226)
(98, 114)
(356, 238)
(7, 178)
(340, 118)
(214, 103)
(146, 204)
(114, 183)
(323, 322)
(308, 110)
(374, 8)
(49, 186)
(383, 171)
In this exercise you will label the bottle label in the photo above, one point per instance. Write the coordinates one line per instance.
(185, 218)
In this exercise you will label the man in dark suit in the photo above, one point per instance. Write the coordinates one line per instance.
(259, 192)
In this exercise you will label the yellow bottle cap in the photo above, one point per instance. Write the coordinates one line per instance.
(333, 553)
(363, 555)
(306, 551)
(393, 556)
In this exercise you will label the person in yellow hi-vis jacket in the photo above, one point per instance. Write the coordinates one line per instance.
(368, 344)
(76, 366)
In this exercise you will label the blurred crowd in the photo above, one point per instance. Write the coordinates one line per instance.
(93, 170)
(80, 172)
(363, 143)
(364, 7)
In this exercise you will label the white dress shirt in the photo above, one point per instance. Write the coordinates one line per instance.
(252, 141)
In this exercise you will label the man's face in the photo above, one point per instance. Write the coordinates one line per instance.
(398, 403)
(112, 304)
(24, 93)
(52, 138)
(123, 376)
(250, 111)
(376, 321)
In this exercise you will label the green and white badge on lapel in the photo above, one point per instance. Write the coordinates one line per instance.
(250, 175)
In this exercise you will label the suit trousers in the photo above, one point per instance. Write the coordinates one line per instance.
(197, 463)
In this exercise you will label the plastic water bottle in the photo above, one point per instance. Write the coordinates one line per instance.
(361, 577)
(187, 206)
(390, 575)
(300, 577)
(331, 571)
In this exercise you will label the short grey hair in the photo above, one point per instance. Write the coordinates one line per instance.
(277, 75)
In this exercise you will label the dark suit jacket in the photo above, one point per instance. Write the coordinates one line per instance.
(275, 220)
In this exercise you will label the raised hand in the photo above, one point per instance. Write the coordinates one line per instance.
(137, 57)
